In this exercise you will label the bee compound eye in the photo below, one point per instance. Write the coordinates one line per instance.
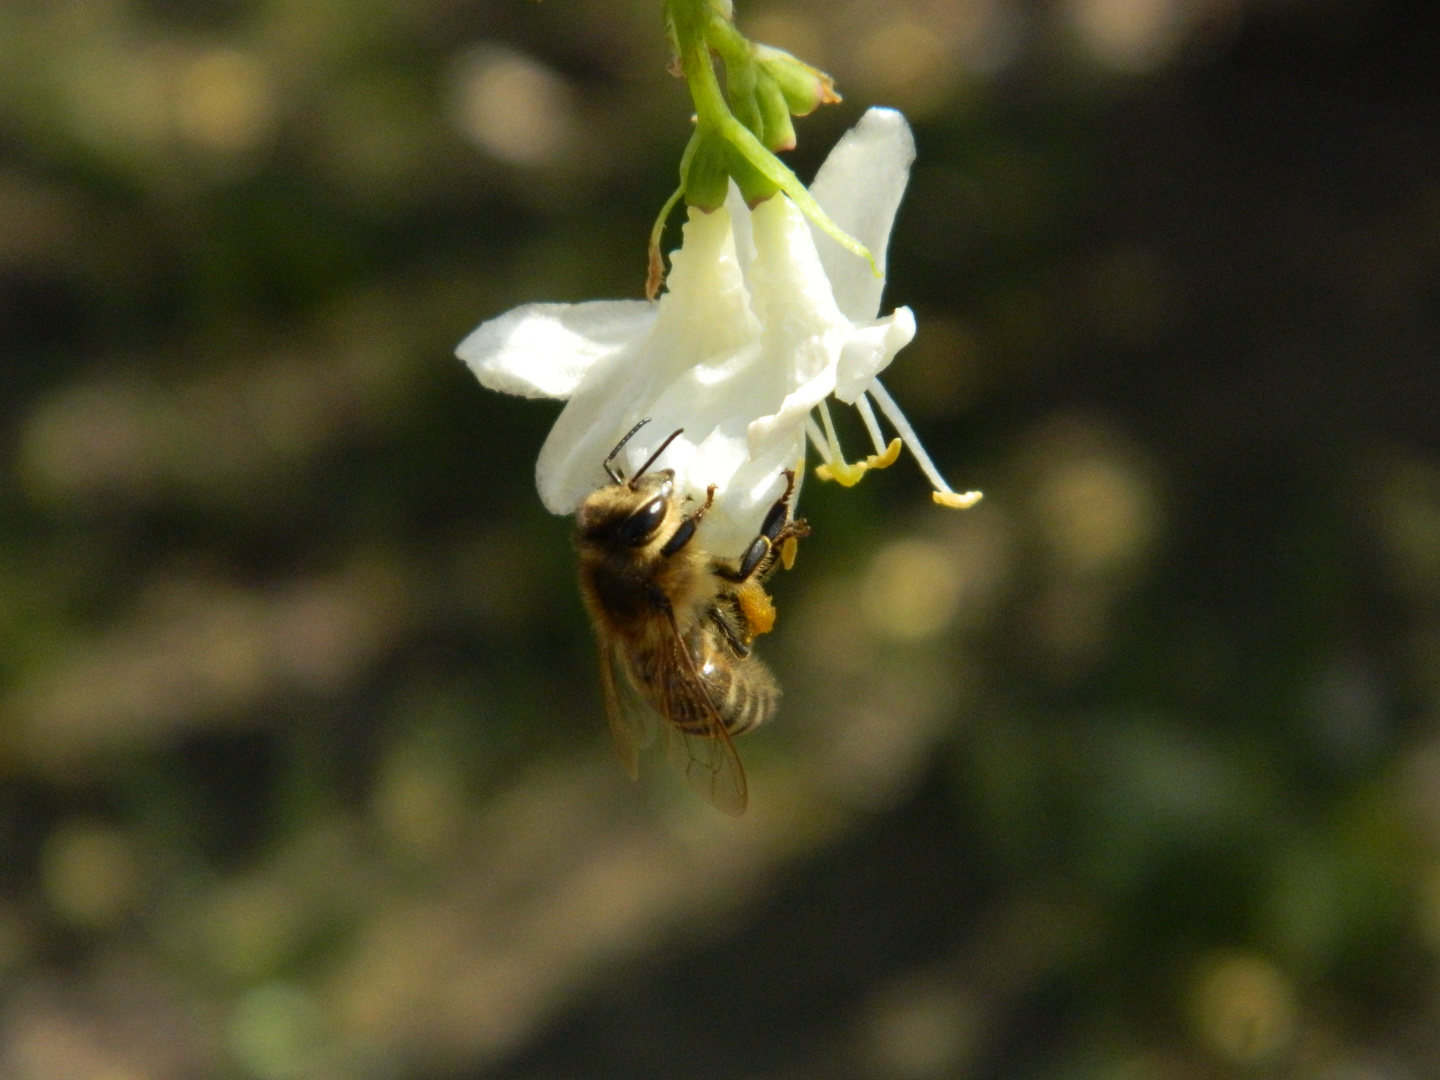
(643, 523)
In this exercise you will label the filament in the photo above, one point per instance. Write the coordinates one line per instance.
(817, 437)
(830, 432)
(871, 425)
(892, 412)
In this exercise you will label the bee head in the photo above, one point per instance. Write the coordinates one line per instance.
(627, 515)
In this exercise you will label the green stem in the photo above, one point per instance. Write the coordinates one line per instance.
(694, 24)
(689, 18)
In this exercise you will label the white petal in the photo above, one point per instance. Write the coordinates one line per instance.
(860, 186)
(740, 227)
(544, 350)
(803, 330)
(750, 492)
(792, 295)
(793, 410)
(869, 352)
(675, 374)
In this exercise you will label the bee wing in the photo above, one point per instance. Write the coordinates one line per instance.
(698, 744)
(632, 723)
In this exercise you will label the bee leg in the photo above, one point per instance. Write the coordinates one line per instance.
(760, 556)
(686, 531)
(729, 622)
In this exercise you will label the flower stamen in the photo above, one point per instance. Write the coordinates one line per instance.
(871, 424)
(848, 474)
(885, 459)
(943, 494)
(837, 468)
(817, 437)
(830, 436)
(885, 455)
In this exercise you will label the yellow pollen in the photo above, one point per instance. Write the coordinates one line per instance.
(787, 552)
(756, 606)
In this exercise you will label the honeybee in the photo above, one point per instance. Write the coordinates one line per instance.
(675, 623)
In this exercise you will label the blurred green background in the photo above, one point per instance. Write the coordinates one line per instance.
(1131, 773)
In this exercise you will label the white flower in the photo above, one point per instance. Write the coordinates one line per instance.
(765, 317)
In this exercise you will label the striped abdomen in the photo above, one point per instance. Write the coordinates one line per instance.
(743, 692)
(740, 690)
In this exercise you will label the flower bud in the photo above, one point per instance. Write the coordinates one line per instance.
(804, 87)
(754, 185)
(740, 89)
(707, 173)
(776, 130)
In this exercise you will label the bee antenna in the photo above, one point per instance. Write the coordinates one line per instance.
(614, 476)
(659, 450)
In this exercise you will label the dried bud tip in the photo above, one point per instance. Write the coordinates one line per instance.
(655, 275)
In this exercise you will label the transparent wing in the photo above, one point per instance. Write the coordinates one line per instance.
(632, 722)
(697, 742)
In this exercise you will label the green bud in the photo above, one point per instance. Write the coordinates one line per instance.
(706, 179)
(754, 185)
(804, 87)
(776, 130)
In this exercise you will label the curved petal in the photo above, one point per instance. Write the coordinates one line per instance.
(869, 352)
(860, 186)
(544, 350)
(752, 489)
(802, 326)
(684, 367)
(792, 412)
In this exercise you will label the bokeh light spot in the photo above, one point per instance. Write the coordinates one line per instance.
(252, 926)
(274, 1031)
(1407, 517)
(90, 873)
(1245, 1008)
(918, 1029)
(511, 106)
(1126, 35)
(418, 802)
(912, 590)
(226, 102)
(904, 61)
(1098, 513)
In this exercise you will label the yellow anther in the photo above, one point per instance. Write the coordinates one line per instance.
(842, 472)
(885, 460)
(957, 500)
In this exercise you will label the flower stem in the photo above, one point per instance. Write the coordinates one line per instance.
(696, 26)
(690, 18)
